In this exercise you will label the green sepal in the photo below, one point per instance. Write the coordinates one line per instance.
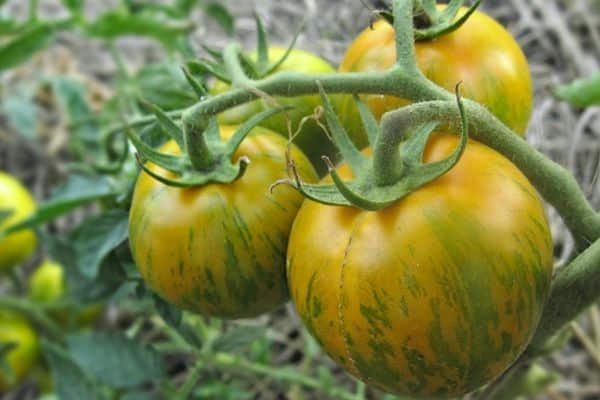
(195, 84)
(206, 67)
(368, 120)
(363, 192)
(247, 126)
(206, 157)
(445, 22)
(262, 48)
(355, 159)
(215, 53)
(273, 67)
(168, 125)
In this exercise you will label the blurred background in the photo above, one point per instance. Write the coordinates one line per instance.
(561, 39)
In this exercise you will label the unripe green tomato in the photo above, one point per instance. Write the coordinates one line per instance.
(47, 286)
(312, 140)
(15, 329)
(15, 198)
(46, 283)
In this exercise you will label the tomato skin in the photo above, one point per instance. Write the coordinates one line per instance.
(481, 54)
(15, 329)
(219, 249)
(436, 294)
(19, 246)
(312, 140)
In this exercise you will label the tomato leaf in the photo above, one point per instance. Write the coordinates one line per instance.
(69, 381)
(75, 6)
(21, 112)
(169, 313)
(581, 92)
(238, 338)
(96, 237)
(115, 359)
(20, 48)
(113, 24)
(165, 85)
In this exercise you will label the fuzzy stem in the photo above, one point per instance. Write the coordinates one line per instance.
(574, 288)
(405, 41)
(195, 142)
(553, 182)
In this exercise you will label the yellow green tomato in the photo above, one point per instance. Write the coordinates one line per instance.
(219, 249)
(16, 330)
(436, 294)
(46, 283)
(47, 286)
(312, 140)
(16, 199)
(481, 54)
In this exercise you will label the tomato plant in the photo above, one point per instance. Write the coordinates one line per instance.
(15, 330)
(219, 249)
(481, 54)
(436, 294)
(18, 204)
(311, 139)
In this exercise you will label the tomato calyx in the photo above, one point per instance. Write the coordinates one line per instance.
(233, 66)
(206, 157)
(396, 168)
(430, 21)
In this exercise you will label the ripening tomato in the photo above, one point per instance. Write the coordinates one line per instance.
(481, 54)
(436, 294)
(311, 139)
(15, 199)
(16, 330)
(219, 249)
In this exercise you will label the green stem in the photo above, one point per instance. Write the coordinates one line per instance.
(405, 41)
(33, 312)
(225, 360)
(195, 142)
(574, 288)
(188, 386)
(553, 182)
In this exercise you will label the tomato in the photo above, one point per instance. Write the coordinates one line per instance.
(312, 140)
(481, 54)
(19, 246)
(436, 294)
(47, 286)
(15, 329)
(219, 249)
(46, 283)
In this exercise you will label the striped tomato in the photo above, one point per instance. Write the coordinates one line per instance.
(219, 249)
(481, 54)
(436, 294)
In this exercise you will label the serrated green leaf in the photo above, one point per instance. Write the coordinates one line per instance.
(116, 360)
(71, 96)
(114, 24)
(21, 112)
(222, 15)
(166, 86)
(581, 92)
(98, 236)
(70, 382)
(238, 338)
(21, 47)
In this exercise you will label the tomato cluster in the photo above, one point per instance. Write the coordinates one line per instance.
(433, 296)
